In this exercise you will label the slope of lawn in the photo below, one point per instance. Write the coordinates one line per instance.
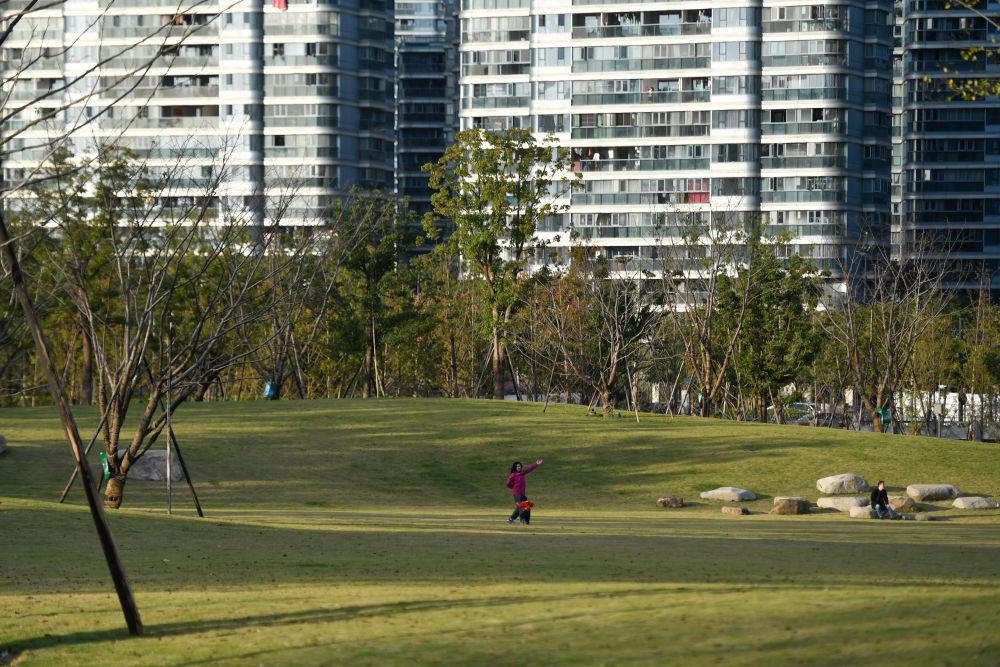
(373, 532)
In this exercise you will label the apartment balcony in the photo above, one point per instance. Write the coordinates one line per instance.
(631, 65)
(802, 196)
(806, 60)
(805, 162)
(495, 4)
(638, 132)
(821, 127)
(632, 164)
(495, 36)
(651, 97)
(301, 121)
(809, 25)
(301, 91)
(643, 30)
(639, 198)
(495, 102)
(274, 152)
(792, 94)
(324, 29)
(331, 60)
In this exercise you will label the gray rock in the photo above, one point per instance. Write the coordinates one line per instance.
(847, 482)
(739, 511)
(903, 504)
(842, 503)
(730, 494)
(921, 492)
(790, 505)
(152, 467)
(863, 513)
(918, 517)
(975, 503)
(670, 501)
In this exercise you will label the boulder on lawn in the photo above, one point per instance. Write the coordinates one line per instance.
(848, 482)
(670, 501)
(917, 517)
(922, 492)
(903, 504)
(863, 513)
(730, 494)
(790, 505)
(739, 511)
(152, 467)
(975, 503)
(842, 503)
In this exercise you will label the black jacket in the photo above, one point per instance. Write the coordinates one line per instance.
(879, 498)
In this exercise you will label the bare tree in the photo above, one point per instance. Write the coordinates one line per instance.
(707, 247)
(173, 268)
(598, 321)
(887, 305)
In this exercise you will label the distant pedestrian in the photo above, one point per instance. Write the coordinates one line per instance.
(880, 502)
(517, 485)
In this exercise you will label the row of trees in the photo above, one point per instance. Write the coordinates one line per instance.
(149, 308)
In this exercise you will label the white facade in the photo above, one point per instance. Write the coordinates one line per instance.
(234, 98)
(679, 109)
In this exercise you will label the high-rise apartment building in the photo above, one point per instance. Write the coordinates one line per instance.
(426, 92)
(681, 110)
(293, 102)
(946, 170)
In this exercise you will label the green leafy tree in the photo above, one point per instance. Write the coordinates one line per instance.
(771, 304)
(495, 188)
(969, 72)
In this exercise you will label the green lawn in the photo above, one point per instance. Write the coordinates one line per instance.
(372, 532)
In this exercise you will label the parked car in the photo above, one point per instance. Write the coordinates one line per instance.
(794, 413)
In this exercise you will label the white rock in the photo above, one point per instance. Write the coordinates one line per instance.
(152, 467)
(848, 482)
(862, 513)
(730, 494)
(922, 492)
(842, 503)
(975, 503)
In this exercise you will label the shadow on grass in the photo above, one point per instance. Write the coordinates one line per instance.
(319, 615)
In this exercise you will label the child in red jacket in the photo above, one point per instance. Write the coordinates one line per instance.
(516, 483)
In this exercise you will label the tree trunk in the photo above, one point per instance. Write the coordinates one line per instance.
(497, 367)
(876, 422)
(606, 402)
(87, 378)
(113, 492)
(368, 367)
(453, 353)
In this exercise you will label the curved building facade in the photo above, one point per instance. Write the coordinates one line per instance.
(273, 109)
(947, 171)
(687, 110)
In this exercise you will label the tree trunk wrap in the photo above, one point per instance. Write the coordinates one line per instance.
(113, 492)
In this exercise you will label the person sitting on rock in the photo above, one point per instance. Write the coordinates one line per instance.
(880, 502)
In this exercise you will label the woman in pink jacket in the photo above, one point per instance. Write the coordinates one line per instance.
(516, 483)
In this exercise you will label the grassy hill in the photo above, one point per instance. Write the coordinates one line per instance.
(372, 532)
